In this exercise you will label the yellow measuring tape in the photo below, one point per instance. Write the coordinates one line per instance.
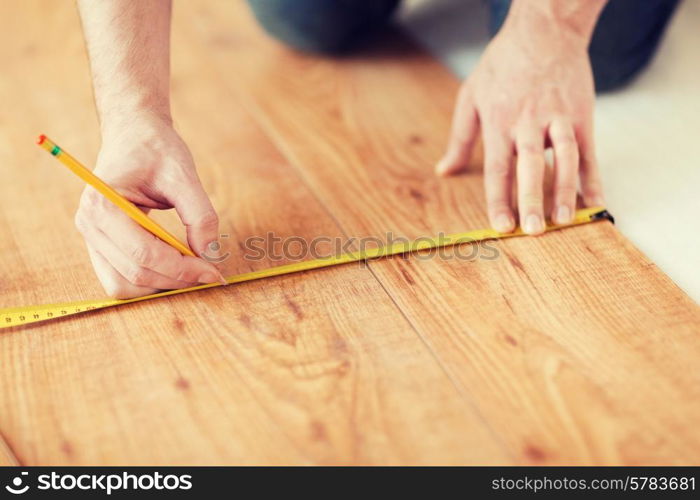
(32, 314)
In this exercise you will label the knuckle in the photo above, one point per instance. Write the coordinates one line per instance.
(497, 115)
(596, 184)
(566, 192)
(531, 106)
(115, 290)
(563, 139)
(498, 170)
(530, 112)
(531, 200)
(588, 160)
(112, 290)
(81, 222)
(530, 148)
(142, 255)
(208, 219)
(181, 175)
(497, 205)
(186, 276)
(590, 180)
(137, 276)
(567, 153)
(592, 189)
(91, 200)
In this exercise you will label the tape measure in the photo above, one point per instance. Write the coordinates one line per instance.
(19, 316)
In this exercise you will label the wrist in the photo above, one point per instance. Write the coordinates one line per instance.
(121, 117)
(569, 21)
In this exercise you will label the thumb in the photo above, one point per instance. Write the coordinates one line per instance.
(198, 215)
(465, 128)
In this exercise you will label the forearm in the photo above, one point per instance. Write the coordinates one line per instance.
(575, 19)
(128, 44)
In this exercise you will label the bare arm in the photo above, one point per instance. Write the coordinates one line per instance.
(532, 87)
(142, 155)
(129, 46)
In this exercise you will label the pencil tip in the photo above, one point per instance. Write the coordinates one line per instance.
(41, 139)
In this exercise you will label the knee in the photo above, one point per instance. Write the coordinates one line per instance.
(625, 39)
(324, 26)
(618, 57)
(612, 73)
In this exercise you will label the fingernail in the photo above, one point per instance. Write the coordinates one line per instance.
(563, 215)
(504, 223)
(598, 201)
(222, 279)
(533, 224)
(209, 277)
(441, 167)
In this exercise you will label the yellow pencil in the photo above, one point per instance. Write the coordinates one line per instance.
(125, 205)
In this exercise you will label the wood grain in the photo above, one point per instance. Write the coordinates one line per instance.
(312, 368)
(574, 347)
(571, 348)
(7, 458)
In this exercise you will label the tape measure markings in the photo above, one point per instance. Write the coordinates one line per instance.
(19, 316)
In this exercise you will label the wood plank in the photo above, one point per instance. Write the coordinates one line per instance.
(574, 347)
(7, 458)
(312, 368)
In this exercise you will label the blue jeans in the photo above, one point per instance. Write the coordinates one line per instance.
(623, 43)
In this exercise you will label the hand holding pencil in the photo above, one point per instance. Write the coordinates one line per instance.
(150, 167)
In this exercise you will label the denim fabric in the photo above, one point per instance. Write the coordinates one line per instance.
(624, 40)
(326, 26)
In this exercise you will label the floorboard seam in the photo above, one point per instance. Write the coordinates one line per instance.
(270, 131)
(8, 450)
(458, 387)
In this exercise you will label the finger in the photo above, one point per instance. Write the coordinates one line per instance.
(198, 215)
(566, 160)
(149, 252)
(591, 183)
(530, 172)
(498, 179)
(465, 130)
(114, 283)
(132, 272)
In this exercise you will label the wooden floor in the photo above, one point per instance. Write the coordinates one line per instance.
(570, 348)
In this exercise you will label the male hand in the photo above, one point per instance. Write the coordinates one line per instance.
(147, 162)
(533, 88)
